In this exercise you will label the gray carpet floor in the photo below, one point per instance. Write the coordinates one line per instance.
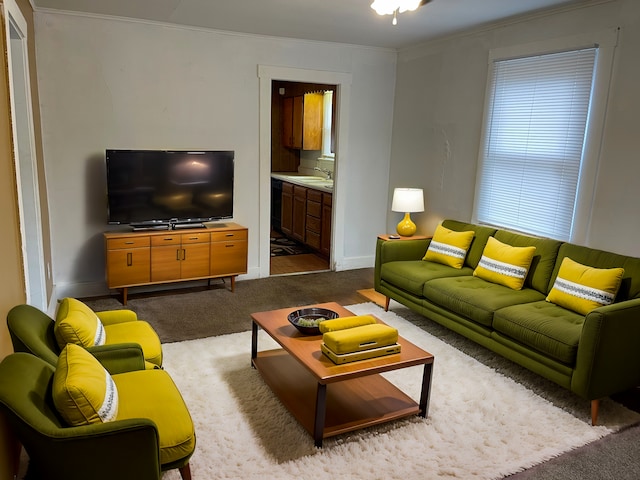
(185, 314)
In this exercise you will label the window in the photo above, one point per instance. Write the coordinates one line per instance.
(541, 138)
(327, 125)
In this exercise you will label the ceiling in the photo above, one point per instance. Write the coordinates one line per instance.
(341, 21)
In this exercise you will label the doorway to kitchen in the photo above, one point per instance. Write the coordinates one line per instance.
(302, 173)
(267, 74)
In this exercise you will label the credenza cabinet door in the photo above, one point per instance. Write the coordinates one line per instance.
(128, 261)
(229, 253)
(165, 257)
(195, 260)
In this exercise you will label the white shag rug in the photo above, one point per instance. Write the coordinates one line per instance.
(481, 425)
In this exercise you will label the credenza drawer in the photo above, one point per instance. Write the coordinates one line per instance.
(228, 235)
(137, 241)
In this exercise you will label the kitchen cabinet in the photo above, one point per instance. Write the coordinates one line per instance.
(314, 218)
(325, 235)
(299, 213)
(302, 121)
(306, 216)
(292, 121)
(286, 216)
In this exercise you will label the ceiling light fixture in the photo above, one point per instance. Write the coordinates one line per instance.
(393, 7)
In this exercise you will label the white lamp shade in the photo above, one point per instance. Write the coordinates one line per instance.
(407, 200)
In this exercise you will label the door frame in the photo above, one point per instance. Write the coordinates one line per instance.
(267, 74)
(24, 152)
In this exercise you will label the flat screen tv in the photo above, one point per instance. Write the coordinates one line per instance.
(160, 187)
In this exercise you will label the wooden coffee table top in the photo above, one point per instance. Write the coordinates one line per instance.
(306, 349)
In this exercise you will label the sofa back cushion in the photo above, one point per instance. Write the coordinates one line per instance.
(544, 258)
(474, 254)
(630, 284)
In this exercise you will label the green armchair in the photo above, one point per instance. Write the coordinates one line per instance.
(33, 331)
(133, 446)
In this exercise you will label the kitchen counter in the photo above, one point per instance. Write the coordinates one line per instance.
(318, 183)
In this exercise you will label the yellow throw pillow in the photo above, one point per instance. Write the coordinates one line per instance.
(449, 247)
(581, 288)
(77, 323)
(83, 390)
(504, 264)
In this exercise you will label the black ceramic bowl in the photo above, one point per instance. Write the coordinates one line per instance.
(306, 320)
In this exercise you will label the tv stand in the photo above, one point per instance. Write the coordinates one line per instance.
(149, 257)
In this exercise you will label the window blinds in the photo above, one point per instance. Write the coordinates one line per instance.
(533, 142)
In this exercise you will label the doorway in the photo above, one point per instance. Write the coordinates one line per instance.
(25, 159)
(302, 144)
(267, 74)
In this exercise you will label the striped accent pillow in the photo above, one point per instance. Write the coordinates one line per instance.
(83, 390)
(504, 264)
(449, 247)
(581, 288)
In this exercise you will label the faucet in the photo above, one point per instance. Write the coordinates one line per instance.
(328, 173)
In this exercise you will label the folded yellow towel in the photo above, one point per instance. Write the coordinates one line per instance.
(345, 322)
(360, 338)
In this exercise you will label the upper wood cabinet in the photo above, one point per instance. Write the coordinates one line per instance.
(302, 121)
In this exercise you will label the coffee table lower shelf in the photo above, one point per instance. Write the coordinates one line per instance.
(350, 404)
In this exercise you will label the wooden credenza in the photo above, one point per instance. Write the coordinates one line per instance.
(154, 257)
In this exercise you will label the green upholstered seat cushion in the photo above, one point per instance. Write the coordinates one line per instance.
(411, 275)
(83, 391)
(551, 330)
(152, 394)
(139, 332)
(76, 323)
(544, 258)
(474, 298)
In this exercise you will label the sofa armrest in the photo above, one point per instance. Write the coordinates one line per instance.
(110, 317)
(120, 358)
(397, 250)
(608, 359)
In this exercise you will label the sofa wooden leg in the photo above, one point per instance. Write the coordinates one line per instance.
(595, 407)
(185, 472)
(387, 300)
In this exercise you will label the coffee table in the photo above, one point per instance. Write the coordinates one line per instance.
(329, 399)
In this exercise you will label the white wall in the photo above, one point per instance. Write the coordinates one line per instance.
(111, 83)
(438, 118)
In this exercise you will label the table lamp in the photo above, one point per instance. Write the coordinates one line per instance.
(407, 200)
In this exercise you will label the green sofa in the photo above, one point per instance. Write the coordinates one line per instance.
(593, 355)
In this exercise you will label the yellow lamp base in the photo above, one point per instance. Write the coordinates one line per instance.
(406, 227)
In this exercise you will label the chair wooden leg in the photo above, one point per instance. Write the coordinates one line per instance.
(387, 300)
(595, 407)
(185, 472)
